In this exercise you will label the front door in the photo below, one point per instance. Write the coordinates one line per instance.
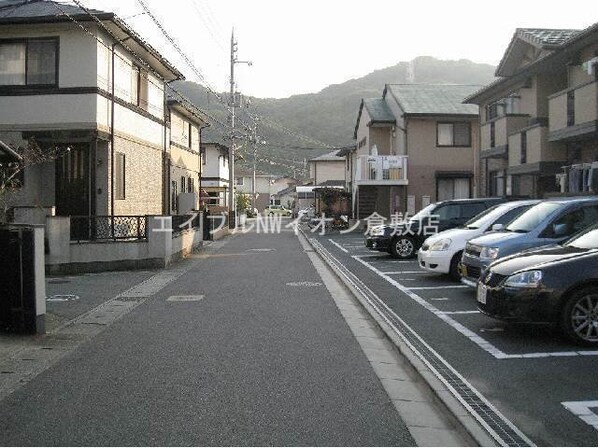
(72, 182)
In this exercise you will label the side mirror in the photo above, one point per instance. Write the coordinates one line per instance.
(497, 227)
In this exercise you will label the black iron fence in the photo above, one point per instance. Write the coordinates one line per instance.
(108, 228)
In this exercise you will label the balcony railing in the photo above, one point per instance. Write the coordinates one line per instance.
(381, 170)
(495, 134)
(573, 112)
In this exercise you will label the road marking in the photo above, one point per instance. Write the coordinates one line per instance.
(338, 245)
(304, 284)
(185, 298)
(441, 299)
(583, 410)
(492, 330)
(430, 288)
(404, 272)
(473, 337)
(462, 312)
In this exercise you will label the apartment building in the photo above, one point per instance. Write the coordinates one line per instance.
(538, 120)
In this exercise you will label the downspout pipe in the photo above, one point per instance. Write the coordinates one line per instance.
(112, 107)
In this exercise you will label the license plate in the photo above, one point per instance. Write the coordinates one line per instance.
(482, 293)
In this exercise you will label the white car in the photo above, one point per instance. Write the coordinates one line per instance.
(441, 253)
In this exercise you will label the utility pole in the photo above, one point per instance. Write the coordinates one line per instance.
(254, 141)
(231, 150)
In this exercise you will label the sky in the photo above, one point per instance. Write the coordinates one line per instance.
(303, 46)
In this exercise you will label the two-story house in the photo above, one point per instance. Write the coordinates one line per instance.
(215, 172)
(415, 145)
(327, 170)
(267, 187)
(101, 98)
(184, 161)
(529, 127)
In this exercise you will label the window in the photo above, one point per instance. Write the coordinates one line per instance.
(453, 188)
(571, 108)
(190, 185)
(493, 134)
(183, 184)
(453, 134)
(448, 212)
(29, 62)
(523, 148)
(173, 196)
(120, 176)
(472, 209)
(139, 87)
(240, 181)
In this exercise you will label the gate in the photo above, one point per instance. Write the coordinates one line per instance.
(17, 277)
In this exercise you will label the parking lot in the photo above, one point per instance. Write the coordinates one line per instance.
(546, 386)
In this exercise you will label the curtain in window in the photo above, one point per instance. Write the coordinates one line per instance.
(445, 134)
(41, 63)
(461, 188)
(12, 64)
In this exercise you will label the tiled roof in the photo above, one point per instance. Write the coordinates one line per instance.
(379, 110)
(328, 157)
(546, 37)
(433, 99)
(38, 8)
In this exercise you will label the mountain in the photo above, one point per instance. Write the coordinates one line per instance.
(300, 127)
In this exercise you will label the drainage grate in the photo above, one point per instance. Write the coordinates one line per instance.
(501, 429)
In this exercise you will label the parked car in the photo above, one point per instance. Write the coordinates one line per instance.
(277, 210)
(557, 285)
(403, 240)
(441, 253)
(550, 222)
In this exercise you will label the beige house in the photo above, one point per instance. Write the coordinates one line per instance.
(267, 187)
(415, 145)
(63, 87)
(184, 161)
(538, 120)
(215, 172)
(327, 169)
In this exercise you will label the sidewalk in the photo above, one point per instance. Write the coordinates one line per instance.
(240, 345)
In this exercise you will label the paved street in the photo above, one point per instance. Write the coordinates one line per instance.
(244, 347)
(543, 384)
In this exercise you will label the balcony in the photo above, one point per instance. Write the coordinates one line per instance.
(495, 134)
(573, 113)
(381, 170)
(530, 152)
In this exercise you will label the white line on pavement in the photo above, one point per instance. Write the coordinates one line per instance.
(462, 312)
(473, 337)
(404, 272)
(430, 288)
(583, 410)
(338, 245)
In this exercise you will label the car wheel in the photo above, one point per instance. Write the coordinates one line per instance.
(402, 247)
(454, 267)
(579, 318)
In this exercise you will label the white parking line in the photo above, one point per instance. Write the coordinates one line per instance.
(462, 312)
(430, 288)
(405, 272)
(338, 245)
(473, 337)
(583, 410)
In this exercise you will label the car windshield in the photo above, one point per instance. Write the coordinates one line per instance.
(423, 213)
(486, 217)
(533, 217)
(588, 239)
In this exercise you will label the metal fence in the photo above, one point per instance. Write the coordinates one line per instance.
(108, 228)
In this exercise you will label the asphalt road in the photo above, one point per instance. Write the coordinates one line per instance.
(535, 377)
(255, 356)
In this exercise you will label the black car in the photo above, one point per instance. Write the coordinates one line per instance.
(404, 240)
(556, 285)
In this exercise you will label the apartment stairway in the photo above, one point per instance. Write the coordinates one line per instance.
(367, 201)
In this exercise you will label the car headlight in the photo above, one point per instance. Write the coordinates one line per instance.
(443, 244)
(377, 231)
(489, 253)
(527, 279)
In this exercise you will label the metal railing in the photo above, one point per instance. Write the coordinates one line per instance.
(108, 228)
(390, 169)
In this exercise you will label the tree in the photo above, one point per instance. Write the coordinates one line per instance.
(243, 202)
(14, 160)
